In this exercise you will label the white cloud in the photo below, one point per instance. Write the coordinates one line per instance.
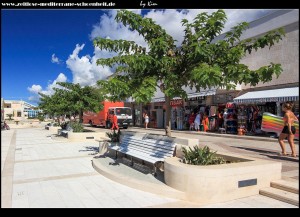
(108, 27)
(36, 88)
(55, 59)
(85, 69)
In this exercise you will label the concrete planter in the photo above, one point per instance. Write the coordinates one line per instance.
(219, 183)
(53, 129)
(85, 135)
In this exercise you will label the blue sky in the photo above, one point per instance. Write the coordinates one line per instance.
(40, 47)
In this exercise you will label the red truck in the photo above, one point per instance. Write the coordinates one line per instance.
(104, 117)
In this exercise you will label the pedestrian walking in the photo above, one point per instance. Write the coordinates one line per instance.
(114, 122)
(289, 129)
(197, 122)
(5, 126)
(146, 120)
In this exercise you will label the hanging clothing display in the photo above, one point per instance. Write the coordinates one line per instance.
(213, 110)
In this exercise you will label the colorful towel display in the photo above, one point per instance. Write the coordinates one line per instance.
(274, 123)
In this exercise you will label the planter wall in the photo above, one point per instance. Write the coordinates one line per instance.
(85, 135)
(219, 183)
(53, 129)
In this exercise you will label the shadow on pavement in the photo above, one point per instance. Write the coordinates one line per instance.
(93, 149)
(270, 154)
(128, 169)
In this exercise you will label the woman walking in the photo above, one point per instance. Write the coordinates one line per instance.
(146, 120)
(289, 129)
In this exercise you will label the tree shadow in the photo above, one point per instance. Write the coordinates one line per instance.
(93, 149)
(270, 154)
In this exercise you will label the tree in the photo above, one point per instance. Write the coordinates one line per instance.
(81, 99)
(54, 105)
(72, 100)
(9, 116)
(202, 60)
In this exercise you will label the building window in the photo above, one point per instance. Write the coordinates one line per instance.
(19, 114)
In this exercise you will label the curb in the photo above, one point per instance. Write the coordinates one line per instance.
(245, 137)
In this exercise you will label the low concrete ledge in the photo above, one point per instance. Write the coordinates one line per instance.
(219, 183)
(124, 179)
(53, 129)
(85, 135)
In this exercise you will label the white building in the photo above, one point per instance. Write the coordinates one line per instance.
(19, 110)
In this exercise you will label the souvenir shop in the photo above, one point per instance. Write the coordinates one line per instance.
(250, 108)
(245, 118)
(181, 110)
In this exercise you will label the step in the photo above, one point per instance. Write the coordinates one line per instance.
(286, 185)
(281, 195)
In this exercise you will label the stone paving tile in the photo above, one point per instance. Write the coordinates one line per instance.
(291, 173)
(85, 197)
(57, 173)
(126, 202)
(35, 195)
(69, 197)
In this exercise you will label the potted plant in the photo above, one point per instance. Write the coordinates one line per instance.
(201, 156)
(114, 136)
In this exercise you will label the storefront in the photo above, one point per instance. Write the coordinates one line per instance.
(252, 105)
(270, 100)
(180, 108)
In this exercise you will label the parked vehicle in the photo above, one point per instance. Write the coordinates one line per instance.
(104, 117)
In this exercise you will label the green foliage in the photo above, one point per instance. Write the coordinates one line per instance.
(201, 156)
(55, 124)
(71, 99)
(76, 126)
(202, 60)
(114, 136)
(40, 117)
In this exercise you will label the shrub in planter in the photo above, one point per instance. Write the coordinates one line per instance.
(201, 156)
(55, 124)
(76, 126)
(114, 136)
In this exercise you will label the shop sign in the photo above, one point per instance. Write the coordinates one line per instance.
(177, 102)
(197, 98)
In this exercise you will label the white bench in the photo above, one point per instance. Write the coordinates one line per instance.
(146, 149)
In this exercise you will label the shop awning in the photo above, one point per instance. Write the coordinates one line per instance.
(205, 92)
(275, 95)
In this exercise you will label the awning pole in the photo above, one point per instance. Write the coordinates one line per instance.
(278, 108)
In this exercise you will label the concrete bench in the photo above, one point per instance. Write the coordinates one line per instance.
(48, 125)
(145, 149)
(64, 133)
(103, 144)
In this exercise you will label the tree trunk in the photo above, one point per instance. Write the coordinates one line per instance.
(168, 116)
(58, 120)
(80, 116)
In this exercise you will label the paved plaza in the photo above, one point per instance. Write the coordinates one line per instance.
(41, 170)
